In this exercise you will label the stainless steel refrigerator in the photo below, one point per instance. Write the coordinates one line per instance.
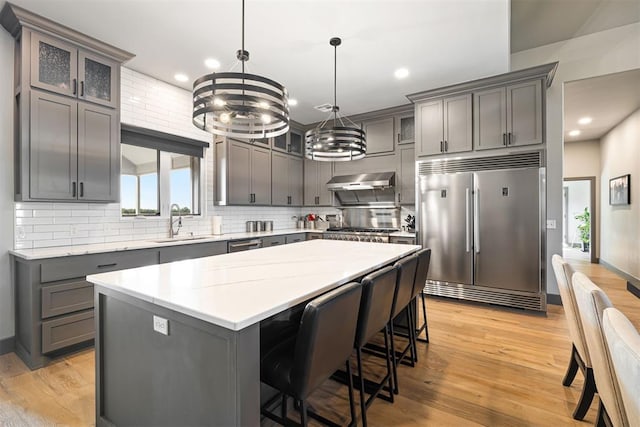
(485, 229)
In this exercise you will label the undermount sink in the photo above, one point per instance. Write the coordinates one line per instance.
(179, 239)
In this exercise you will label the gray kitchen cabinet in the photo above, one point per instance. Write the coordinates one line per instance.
(54, 302)
(292, 143)
(74, 150)
(286, 180)
(192, 251)
(406, 170)
(316, 176)
(66, 69)
(294, 238)
(380, 135)
(98, 153)
(444, 126)
(508, 116)
(62, 81)
(273, 241)
(244, 173)
(314, 236)
(405, 129)
(53, 149)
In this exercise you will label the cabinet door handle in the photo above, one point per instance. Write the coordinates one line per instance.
(82, 189)
(73, 189)
(399, 198)
(113, 264)
(75, 86)
(82, 88)
(398, 137)
(504, 139)
(509, 140)
(446, 146)
(442, 146)
(288, 148)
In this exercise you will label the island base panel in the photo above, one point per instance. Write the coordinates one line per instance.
(199, 374)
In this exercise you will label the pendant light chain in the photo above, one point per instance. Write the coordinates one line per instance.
(243, 51)
(335, 84)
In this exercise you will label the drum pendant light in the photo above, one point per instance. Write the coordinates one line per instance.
(240, 105)
(344, 141)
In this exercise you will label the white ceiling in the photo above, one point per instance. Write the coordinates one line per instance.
(441, 42)
(539, 22)
(607, 99)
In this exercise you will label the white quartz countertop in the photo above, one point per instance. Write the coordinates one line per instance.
(62, 251)
(239, 289)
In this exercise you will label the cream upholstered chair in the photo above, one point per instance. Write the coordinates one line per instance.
(591, 302)
(623, 342)
(579, 353)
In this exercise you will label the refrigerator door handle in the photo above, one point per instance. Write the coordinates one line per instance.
(467, 201)
(476, 220)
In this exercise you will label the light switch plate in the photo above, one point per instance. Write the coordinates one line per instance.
(161, 325)
(551, 224)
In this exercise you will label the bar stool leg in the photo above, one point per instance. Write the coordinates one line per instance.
(363, 406)
(424, 312)
(303, 414)
(283, 407)
(393, 380)
(393, 360)
(352, 405)
(412, 336)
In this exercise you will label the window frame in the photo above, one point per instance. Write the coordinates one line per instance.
(164, 187)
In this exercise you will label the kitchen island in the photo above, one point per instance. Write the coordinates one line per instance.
(179, 343)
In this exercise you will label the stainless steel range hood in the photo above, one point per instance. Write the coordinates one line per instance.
(366, 189)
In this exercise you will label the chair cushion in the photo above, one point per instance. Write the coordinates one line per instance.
(592, 302)
(623, 342)
(563, 273)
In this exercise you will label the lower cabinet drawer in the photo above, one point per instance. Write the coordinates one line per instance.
(314, 236)
(273, 241)
(293, 238)
(403, 240)
(66, 298)
(66, 331)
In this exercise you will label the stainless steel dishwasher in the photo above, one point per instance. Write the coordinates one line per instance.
(244, 245)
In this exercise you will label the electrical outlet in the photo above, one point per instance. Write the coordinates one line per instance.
(551, 224)
(161, 325)
(21, 233)
(73, 230)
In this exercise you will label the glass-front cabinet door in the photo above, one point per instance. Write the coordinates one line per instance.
(54, 65)
(280, 143)
(296, 143)
(405, 126)
(97, 77)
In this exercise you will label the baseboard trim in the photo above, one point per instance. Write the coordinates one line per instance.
(633, 283)
(554, 299)
(7, 345)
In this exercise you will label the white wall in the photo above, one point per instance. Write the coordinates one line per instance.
(592, 55)
(620, 155)
(6, 182)
(582, 159)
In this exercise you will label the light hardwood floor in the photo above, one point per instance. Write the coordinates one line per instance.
(485, 366)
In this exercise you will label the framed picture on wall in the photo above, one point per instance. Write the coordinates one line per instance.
(619, 190)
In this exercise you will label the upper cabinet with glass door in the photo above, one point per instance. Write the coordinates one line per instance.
(68, 70)
(291, 142)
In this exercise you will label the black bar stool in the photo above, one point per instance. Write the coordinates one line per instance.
(424, 259)
(404, 295)
(300, 364)
(378, 290)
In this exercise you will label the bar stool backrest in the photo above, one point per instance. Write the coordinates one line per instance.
(424, 259)
(325, 338)
(404, 288)
(378, 289)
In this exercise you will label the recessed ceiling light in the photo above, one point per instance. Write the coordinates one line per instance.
(401, 73)
(212, 64)
(585, 120)
(293, 102)
(181, 77)
(574, 133)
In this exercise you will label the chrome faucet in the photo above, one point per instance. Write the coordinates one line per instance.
(173, 233)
